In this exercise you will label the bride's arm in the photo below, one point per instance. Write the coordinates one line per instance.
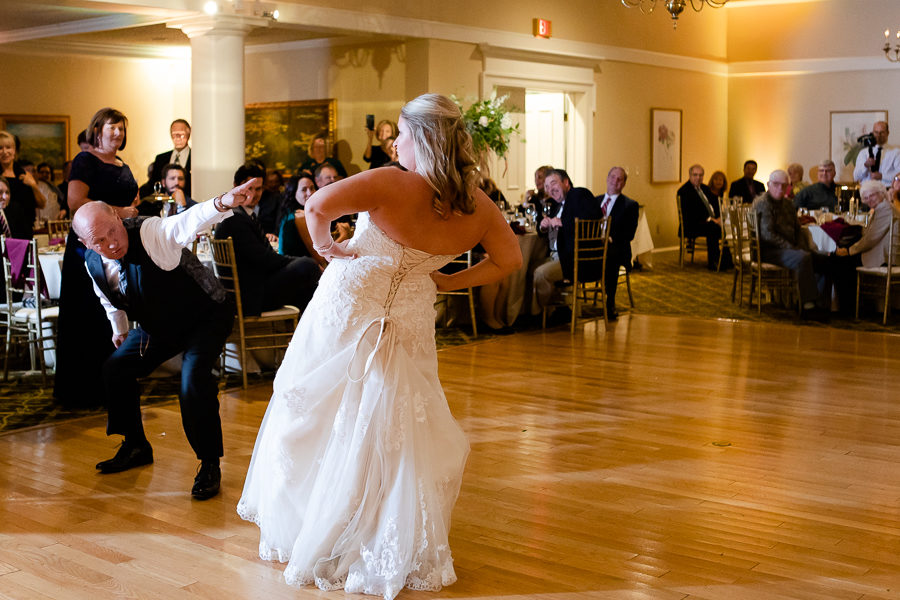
(359, 193)
(503, 253)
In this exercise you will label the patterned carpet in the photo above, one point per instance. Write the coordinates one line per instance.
(666, 289)
(695, 291)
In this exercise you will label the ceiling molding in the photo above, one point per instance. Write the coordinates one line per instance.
(105, 23)
(104, 50)
(808, 66)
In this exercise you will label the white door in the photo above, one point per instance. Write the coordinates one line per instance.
(545, 132)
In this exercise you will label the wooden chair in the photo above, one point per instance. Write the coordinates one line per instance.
(740, 248)
(59, 229)
(878, 281)
(464, 261)
(270, 338)
(762, 274)
(588, 275)
(27, 322)
(689, 244)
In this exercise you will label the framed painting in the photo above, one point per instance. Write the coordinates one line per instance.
(665, 145)
(43, 138)
(846, 127)
(279, 133)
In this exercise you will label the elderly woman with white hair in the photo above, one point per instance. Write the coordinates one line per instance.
(872, 248)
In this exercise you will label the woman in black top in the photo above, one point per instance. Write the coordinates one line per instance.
(380, 154)
(25, 195)
(84, 337)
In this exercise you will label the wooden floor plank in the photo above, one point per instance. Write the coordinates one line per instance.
(666, 459)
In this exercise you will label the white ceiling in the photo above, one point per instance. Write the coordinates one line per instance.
(103, 22)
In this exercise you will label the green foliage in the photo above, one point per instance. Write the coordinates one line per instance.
(489, 124)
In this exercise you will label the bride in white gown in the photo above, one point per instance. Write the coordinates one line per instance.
(358, 461)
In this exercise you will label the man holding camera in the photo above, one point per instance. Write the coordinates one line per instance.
(876, 160)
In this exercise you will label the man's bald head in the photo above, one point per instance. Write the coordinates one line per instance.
(100, 229)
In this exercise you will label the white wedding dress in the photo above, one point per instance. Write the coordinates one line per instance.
(358, 461)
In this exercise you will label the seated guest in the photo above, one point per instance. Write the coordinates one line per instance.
(270, 203)
(293, 234)
(44, 176)
(820, 194)
(317, 157)
(83, 144)
(747, 188)
(64, 191)
(783, 242)
(701, 216)
(138, 268)
(718, 184)
(536, 196)
(574, 202)
(623, 214)
(326, 174)
(489, 187)
(795, 173)
(872, 248)
(147, 188)
(173, 184)
(268, 280)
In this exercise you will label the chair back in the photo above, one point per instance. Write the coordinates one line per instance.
(59, 229)
(680, 215)
(752, 221)
(464, 261)
(591, 242)
(21, 270)
(224, 266)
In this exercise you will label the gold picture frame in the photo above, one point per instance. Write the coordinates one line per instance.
(43, 138)
(279, 133)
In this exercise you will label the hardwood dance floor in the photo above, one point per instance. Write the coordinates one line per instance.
(670, 458)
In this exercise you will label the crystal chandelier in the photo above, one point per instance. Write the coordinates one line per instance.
(892, 54)
(675, 7)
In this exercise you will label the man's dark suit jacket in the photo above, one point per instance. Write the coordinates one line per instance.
(693, 211)
(256, 260)
(746, 191)
(623, 224)
(580, 203)
(162, 160)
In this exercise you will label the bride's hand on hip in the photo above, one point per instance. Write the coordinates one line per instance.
(335, 250)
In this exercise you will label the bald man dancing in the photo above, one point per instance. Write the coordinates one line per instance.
(142, 272)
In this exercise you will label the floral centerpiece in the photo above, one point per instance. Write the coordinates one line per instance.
(490, 126)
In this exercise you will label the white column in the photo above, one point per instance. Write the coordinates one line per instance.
(217, 98)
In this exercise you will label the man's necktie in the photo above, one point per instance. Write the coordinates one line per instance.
(877, 166)
(123, 281)
(605, 207)
(4, 224)
(706, 203)
(177, 158)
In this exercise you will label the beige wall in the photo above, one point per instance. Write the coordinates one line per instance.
(151, 93)
(625, 95)
(809, 29)
(785, 119)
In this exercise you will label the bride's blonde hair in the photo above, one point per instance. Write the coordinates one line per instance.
(444, 154)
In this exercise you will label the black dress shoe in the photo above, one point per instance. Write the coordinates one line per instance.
(128, 457)
(612, 316)
(207, 481)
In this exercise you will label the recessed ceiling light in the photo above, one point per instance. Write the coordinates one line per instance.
(211, 7)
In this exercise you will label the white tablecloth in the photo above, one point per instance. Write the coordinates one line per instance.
(822, 240)
(51, 269)
(642, 244)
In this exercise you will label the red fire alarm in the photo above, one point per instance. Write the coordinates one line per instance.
(541, 28)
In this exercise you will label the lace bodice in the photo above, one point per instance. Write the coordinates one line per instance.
(387, 279)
